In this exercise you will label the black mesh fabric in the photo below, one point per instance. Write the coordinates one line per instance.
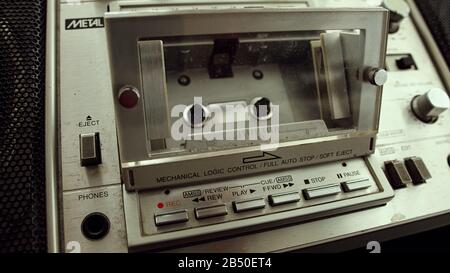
(22, 106)
(437, 16)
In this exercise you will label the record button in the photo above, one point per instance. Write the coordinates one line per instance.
(171, 218)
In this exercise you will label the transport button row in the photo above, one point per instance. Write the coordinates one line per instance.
(182, 216)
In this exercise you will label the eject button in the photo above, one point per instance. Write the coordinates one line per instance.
(90, 151)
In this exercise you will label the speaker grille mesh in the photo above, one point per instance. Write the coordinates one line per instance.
(437, 16)
(22, 106)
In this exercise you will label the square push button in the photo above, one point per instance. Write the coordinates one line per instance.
(249, 205)
(171, 218)
(208, 212)
(285, 198)
(321, 191)
(356, 185)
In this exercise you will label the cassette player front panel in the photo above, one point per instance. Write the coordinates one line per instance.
(216, 209)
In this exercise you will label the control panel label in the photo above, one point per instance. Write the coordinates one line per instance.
(284, 179)
(192, 193)
(93, 195)
(252, 164)
(88, 122)
(85, 23)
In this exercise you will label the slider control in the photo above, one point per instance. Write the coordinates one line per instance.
(90, 152)
(397, 174)
(417, 169)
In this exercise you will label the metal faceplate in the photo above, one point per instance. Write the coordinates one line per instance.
(84, 89)
(85, 108)
(79, 204)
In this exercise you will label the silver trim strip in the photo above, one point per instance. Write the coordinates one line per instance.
(154, 89)
(50, 132)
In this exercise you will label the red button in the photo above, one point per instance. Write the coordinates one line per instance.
(128, 97)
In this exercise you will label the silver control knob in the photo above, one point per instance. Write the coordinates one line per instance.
(399, 10)
(377, 76)
(429, 106)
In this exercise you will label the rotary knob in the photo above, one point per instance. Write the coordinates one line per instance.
(377, 76)
(429, 106)
(398, 10)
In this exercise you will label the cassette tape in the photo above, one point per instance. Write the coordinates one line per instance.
(222, 93)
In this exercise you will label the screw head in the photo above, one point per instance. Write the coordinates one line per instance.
(184, 80)
(257, 74)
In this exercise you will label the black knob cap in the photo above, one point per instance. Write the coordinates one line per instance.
(399, 10)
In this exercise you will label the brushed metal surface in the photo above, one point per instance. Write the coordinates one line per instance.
(79, 204)
(153, 76)
(51, 133)
(335, 75)
(82, 93)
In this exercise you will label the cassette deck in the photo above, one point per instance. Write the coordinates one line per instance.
(222, 122)
(302, 80)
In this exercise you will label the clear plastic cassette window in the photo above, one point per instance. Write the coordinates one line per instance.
(248, 89)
